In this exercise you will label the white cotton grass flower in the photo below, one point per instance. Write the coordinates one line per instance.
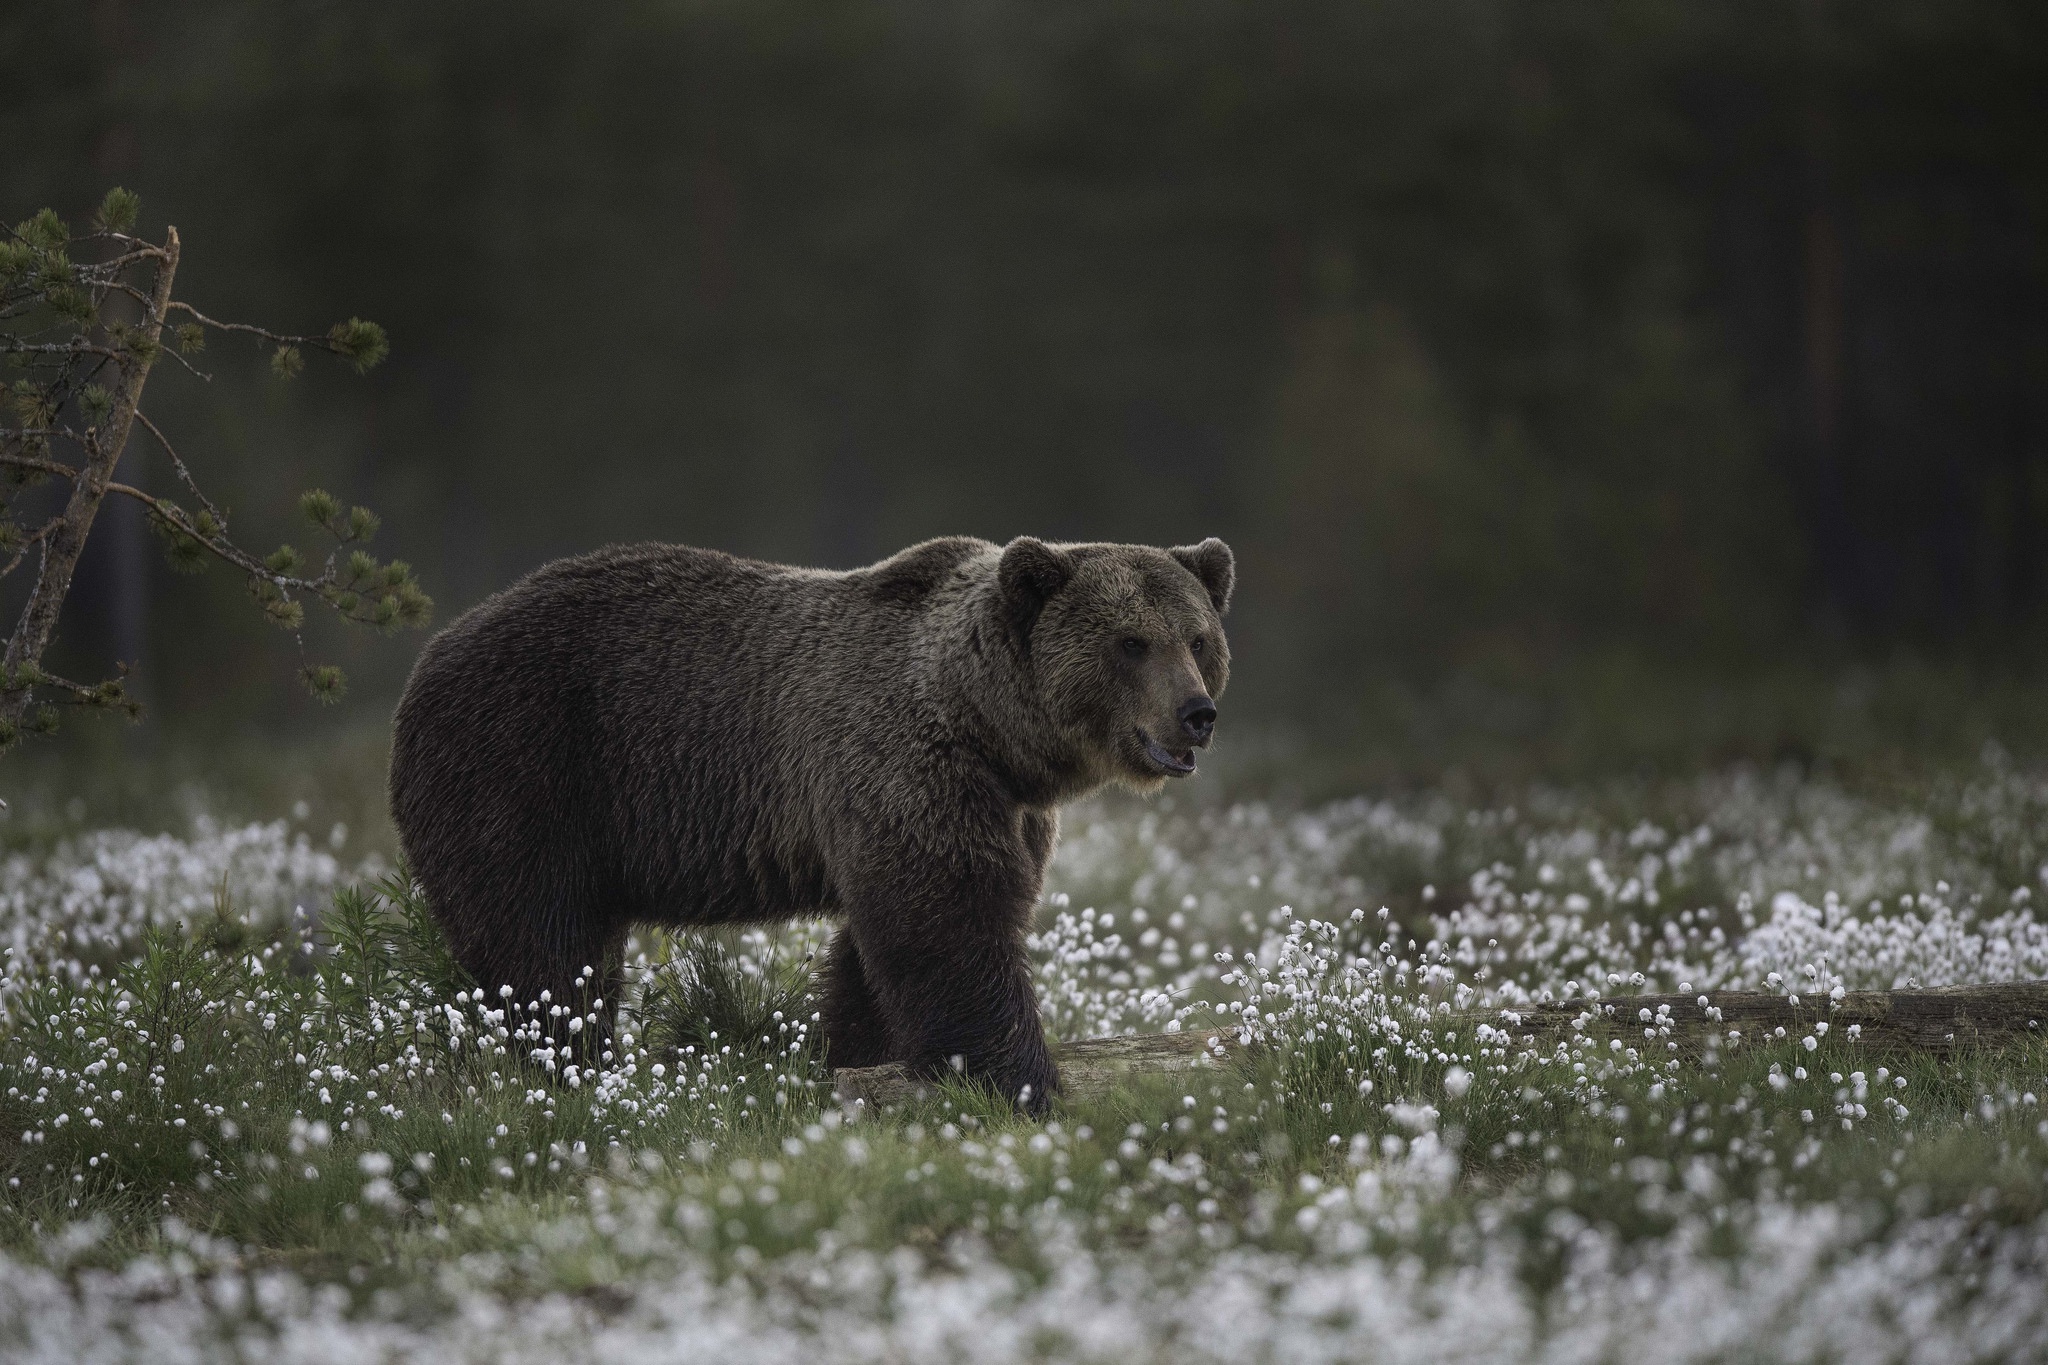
(1561, 905)
(1796, 1293)
(101, 890)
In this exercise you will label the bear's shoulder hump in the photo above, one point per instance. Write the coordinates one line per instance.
(910, 576)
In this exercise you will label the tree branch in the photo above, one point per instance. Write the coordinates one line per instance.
(62, 471)
(277, 338)
(85, 695)
(57, 348)
(201, 375)
(226, 550)
(184, 474)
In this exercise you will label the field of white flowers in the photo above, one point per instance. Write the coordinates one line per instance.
(247, 1111)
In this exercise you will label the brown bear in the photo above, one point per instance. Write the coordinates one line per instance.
(654, 733)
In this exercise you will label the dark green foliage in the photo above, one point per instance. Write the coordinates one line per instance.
(47, 234)
(183, 551)
(282, 611)
(362, 343)
(717, 991)
(118, 210)
(418, 948)
(324, 682)
(319, 507)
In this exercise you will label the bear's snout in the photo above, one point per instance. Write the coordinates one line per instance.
(1197, 719)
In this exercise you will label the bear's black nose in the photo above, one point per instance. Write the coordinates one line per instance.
(1198, 718)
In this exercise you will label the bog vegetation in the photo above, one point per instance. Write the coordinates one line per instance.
(246, 1100)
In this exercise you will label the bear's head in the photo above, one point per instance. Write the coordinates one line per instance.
(1126, 649)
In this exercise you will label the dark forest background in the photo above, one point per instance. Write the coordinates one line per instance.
(1579, 383)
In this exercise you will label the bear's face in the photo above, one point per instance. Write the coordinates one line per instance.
(1127, 649)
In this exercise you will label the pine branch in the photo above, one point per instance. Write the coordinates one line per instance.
(62, 471)
(178, 463)
(178, 355)
(361, 343)
(249, 329)
(14, 347)
(111, 694)
(356, 590)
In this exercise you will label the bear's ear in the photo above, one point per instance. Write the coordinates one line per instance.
(1030, 572)
(1214, 565)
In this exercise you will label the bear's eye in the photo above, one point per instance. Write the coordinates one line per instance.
(1195, 645)
(1134, 647)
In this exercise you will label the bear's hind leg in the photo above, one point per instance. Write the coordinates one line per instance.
(556, 977)
(585, 985)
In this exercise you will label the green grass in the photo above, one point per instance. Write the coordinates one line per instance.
(425, 1147)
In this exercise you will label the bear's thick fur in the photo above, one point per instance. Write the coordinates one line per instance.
(654, 733)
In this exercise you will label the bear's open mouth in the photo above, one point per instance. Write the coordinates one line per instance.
(1177, 764)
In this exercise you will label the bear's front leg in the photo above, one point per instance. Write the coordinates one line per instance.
(944, 961)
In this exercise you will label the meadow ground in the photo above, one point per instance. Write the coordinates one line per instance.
(248, 1111)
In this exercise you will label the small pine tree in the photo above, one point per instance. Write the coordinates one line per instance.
(80, 338)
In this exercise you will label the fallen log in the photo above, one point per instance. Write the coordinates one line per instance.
(1930, 1021)
(1938, 1020)
(1089, 1068)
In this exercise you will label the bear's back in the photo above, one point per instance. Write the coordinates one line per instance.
(678, 716)
(666, 643)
